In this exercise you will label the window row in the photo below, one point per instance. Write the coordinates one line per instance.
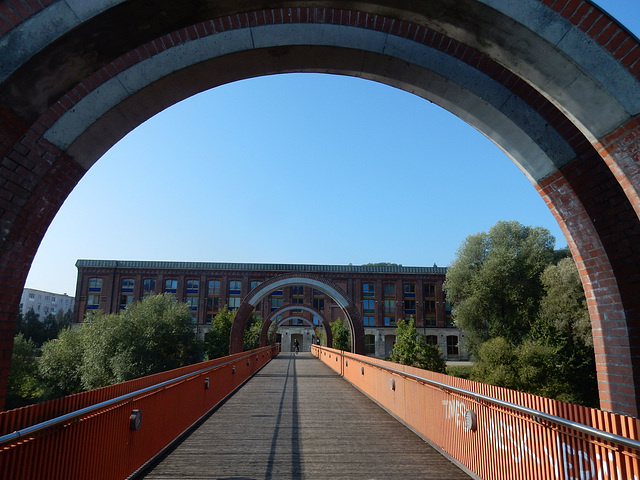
(192, 286)
(453, 348)
(408, 289)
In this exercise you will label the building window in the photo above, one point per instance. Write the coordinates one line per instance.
(171, 286)
(369, 344)
(318, 300)
(389, 289)
(318, 304)
(369, 321)
(429, 290)
(255, 285)
(368, 306)
(368, 290)
(276, 303)
(276, 300)
(389, 312)
(452, 345)
(95, 285)
(192, 287)
(429, 321)
(431, 339)
(214, 287)
(32, 296)
(429, 306)
(234, 303)
(409, 290)
(148, 286)
(234, 287)
(125, 300)
(193, 303)
(93, 302)
(409, 307)
(127, 285)
(297, 294)
(390, 307)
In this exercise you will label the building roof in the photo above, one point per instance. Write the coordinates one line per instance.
(145, 264)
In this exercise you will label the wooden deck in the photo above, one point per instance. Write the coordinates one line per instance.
(297, 419)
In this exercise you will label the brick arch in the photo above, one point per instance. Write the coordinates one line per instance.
(328, 287)
(269, 320)
(76, 77)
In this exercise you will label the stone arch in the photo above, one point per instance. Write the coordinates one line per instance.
(554, 84)
(328, 287)
(269, 320)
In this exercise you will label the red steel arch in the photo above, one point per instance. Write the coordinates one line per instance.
(553, 83)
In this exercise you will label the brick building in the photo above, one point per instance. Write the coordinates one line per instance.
(381, 295)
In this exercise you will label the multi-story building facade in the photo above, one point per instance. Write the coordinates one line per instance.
(44, 303)
(381, 294)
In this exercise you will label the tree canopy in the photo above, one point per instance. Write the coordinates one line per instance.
(341, 335)
(495, 282)
(150, 336)
(412, 349)
(219, 337)
(523, 310)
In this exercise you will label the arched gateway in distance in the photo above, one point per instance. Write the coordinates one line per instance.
(339, 296)
(553, 83)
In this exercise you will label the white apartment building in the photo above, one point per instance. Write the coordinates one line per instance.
(44, 303)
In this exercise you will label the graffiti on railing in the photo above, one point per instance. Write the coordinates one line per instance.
(567, 462)
(510, 438)
(578, 464)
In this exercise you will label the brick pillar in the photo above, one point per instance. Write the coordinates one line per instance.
(36, 179)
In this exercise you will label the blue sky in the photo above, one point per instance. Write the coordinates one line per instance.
(299, 168)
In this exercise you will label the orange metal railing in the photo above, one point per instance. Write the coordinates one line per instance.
(496, 433)
(111, 432)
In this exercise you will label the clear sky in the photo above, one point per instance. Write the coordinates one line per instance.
(299, 168)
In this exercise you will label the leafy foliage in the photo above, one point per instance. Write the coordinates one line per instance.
(32, 328)
(495, 282)
(218, 338)
(252, 333)
(150, 336)
(23, 386)
(60, 366)
(412, 349)
(524, 316)
(341, 335)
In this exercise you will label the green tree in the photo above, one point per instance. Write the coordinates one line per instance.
(341, 335)
(150, 336)
(60, 366)
(23, 387)
(564, 325)
(530, 367)
(218, 338)
(412, 349)
(252, 333)
(494, 282)
(272, 334)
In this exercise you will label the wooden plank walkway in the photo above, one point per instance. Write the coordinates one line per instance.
(297, 419)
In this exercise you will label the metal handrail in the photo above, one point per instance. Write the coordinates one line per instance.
(16, 435)
(536, 414)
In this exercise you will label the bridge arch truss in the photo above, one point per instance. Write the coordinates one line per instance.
(554, 84)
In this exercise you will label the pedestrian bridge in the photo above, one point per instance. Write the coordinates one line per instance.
(260, 415)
